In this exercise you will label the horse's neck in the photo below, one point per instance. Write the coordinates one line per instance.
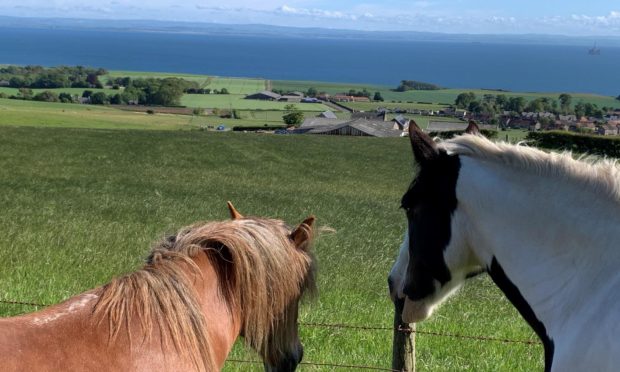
(28, 339)
(554, 240)
(223, 320)
(70, 326)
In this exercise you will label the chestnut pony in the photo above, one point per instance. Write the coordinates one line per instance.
(198, 291)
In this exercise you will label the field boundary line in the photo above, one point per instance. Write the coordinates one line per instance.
(364, 328)
(429, 333)
(351, 366)
(22, 303)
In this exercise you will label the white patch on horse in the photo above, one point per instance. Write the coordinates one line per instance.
(76, 304)
(553, 224)
(85, 300)
(399, 270)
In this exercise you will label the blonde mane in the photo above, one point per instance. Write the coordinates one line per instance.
(261, 274)
(601, 175)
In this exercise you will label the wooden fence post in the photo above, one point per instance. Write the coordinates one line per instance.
(403, 343)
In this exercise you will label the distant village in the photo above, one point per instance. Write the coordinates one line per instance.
(394, 122)
(354, 112)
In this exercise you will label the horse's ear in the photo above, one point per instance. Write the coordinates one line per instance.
(233, 212)
(423, 146)
(302, 235)
(472, 128)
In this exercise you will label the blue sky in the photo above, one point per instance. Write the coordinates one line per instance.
(568, 17)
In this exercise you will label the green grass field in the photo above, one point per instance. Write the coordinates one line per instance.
(234, 85)
(322, 86)
(435, 97)
(267, 115)
(372, 106)
(44, 114)
(511, 135)
(30, 113)
(72, 91)
(447, 96)
(81, 206)
(238, 101)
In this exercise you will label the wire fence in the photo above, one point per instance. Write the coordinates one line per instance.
(406, 330)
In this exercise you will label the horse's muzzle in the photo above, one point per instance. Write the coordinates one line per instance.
(415, 311)
(288, 363)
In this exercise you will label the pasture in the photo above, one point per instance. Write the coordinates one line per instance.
(45, 114)
(323, 86)
(80, 206)
(410, 105)
(72, 91)
(238, 102)
(447, 96)
(232, 84)
(434, 97)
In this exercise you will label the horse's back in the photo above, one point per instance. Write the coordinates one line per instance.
(11, 345)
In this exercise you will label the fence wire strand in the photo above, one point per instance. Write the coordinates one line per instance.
(416, 331)
(22, 303)
(364, 328)
(316, 364)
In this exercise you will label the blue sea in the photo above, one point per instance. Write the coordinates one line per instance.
(543, 68)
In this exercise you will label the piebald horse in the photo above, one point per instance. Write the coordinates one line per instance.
(544, 226)
(198, 291)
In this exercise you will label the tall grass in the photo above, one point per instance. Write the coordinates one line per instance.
(81, 206)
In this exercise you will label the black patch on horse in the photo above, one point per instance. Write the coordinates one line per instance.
(430, 203)
(516, 298)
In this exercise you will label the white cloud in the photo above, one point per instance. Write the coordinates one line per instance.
(285, 9)
(420, 15)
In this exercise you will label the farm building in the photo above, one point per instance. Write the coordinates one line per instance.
(448, 126)
(369, 115)
(358, 127)
(451, 111)
(310, 123)
(290, 98)
(265, 95)
(460, 113)
(518, 123)
(327, 115)
(401, 123)
(607, 130)
(346, 98)
(567, 117)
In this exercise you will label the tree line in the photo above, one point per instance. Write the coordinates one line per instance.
(150, 91)
(38, 77)
(313, 92)
(406, 85)
(492, 105)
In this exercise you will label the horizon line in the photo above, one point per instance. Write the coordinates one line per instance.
(362, 31)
